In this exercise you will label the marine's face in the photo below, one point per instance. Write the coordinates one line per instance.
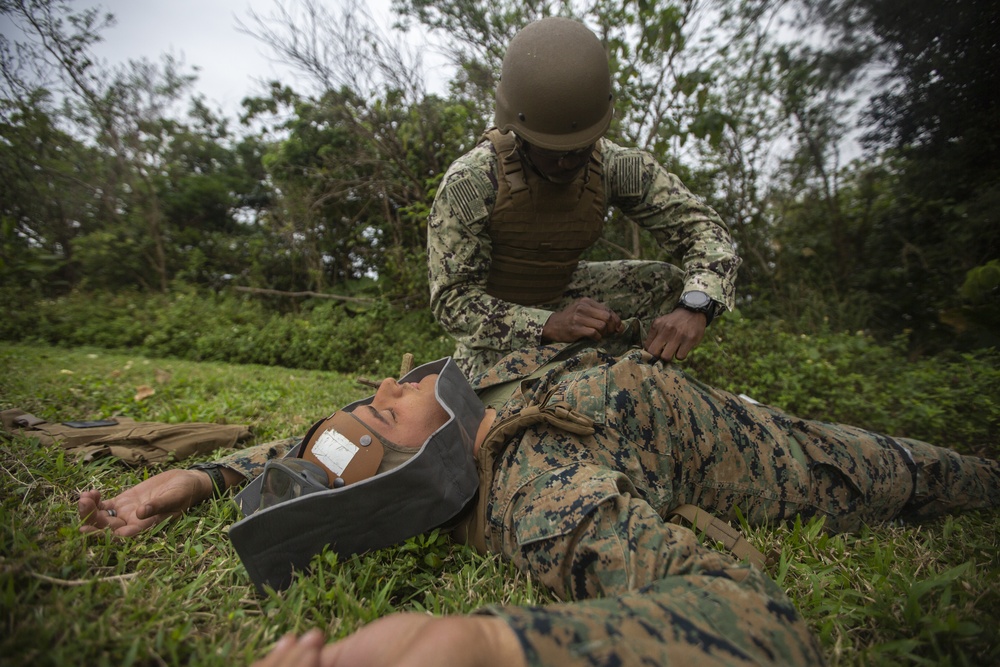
(558, 166)
(405, 414)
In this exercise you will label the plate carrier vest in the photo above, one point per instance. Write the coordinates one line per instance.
(539, 229)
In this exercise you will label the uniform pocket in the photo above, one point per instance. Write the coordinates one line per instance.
(558, 504)
(836, 484)
(584, 392)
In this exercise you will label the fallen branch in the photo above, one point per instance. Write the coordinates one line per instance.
(308, 293)
(82, 582)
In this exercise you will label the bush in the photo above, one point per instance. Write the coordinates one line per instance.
(950, 399)
(323, 335)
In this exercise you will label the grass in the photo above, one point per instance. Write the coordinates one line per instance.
(894, 594)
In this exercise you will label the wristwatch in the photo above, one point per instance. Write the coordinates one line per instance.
(214, 471)
(700, 302)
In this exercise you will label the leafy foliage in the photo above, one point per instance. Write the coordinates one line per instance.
(850, 378)
(363, 338)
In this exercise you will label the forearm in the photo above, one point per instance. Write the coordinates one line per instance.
(688, 229)
(458, 262)
(704, 246)
(480, 321)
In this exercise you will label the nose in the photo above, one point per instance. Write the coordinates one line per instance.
(388, 388)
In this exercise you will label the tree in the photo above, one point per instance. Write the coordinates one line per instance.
(357, 159)
(47, 198)
(934, 117)
(153, 183)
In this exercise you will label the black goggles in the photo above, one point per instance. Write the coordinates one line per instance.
(287, 479)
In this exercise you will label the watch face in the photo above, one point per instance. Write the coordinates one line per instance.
(695, 299)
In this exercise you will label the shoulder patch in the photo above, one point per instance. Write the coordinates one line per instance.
(466, 199)
(626, 178)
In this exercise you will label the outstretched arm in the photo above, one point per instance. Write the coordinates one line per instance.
(407, 640)
(163, 496)
(172, 492)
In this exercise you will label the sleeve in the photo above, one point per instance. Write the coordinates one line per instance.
(458, 259)
(681, 223)
(645, 591)
(250, 462)
(703, 620)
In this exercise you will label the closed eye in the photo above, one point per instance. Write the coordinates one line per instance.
(378, 415)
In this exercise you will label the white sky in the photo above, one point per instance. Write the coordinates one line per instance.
(202, 33)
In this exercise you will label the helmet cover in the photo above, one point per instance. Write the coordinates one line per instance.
(423, 493)
(555, 86)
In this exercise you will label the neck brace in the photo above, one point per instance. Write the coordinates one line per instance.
(424, 492)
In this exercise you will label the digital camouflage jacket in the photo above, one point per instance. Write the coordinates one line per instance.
(584, 514)
(459, 247)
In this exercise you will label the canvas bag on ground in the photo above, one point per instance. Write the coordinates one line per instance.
(135, 443)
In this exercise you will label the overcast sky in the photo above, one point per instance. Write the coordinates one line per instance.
(202, 33)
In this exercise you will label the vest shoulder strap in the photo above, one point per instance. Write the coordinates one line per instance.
(511, 168)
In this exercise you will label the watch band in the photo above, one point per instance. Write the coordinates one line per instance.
(214, 471)
(712, 312)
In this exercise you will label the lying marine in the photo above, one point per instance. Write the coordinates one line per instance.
(567, 460)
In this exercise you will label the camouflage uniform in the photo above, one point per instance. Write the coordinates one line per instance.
(458, 252)
(583, 515)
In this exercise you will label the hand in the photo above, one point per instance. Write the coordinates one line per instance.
(675, 334)
(146, 504)
(584, 318)
(408, 640)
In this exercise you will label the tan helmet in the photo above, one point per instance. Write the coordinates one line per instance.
(555, 86)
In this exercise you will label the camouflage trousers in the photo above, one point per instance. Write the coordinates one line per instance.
(643, 591)
(632, 288)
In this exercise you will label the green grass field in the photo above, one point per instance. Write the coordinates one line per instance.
(926, 594)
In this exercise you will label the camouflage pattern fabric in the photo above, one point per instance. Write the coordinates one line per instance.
(583, 514)
(250, 461)
(458, 252)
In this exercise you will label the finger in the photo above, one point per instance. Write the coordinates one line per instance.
(170, 502)
(654, 340)
(131, 529)
(332, 654)
(277, 653)
(654, 343)
(601, 321)
(683, 349)
(586, 327)
(302, 653)
(95, 514)
(668, 353)
(147, 511)
(615, 323)
(663, 346)
(86, 505)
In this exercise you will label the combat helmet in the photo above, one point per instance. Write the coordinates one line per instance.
(555, 86)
